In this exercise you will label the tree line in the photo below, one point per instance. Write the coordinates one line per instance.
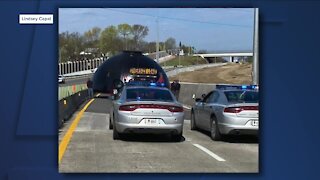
(98, 42)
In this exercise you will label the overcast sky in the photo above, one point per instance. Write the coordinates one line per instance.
(212, 29)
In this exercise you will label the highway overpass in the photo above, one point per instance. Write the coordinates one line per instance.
(230, 55)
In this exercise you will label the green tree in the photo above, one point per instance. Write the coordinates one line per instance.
(70, 46)
(202, 51)
(91, 37)
(124, 30)
(109, 40)
(138, 32)
(170, 43)
(152, 47)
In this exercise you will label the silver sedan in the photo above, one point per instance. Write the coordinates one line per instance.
(141, 109)
(234, 111)
(61, 79)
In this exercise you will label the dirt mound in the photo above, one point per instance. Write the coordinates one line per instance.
(232, 73)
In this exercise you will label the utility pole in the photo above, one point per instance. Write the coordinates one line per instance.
(179, 52)
(255, 66)
(125, 40)
(157, 46)
(179, 60)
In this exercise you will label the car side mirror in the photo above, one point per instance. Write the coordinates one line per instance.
(203, 95)
(198, 99)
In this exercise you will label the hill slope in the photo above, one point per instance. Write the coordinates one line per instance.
(229, 74)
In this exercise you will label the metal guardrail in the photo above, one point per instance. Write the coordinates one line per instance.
(67, 91)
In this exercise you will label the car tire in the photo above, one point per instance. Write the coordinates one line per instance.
(176, 137)
(110, 124)
(116, 134)
(214, 130)
(193, 122)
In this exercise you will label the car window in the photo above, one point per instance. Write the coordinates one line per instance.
(148, 94)
(214, 97)
(242, 96)
(207, 98)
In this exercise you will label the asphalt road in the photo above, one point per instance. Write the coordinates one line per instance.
(92, 149)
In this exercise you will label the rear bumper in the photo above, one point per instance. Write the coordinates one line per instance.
(244, 132)
(156, 129)
(238, 129)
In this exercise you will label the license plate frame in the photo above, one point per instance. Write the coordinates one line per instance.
(152, 121)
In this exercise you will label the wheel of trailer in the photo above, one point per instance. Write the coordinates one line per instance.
(214, 130)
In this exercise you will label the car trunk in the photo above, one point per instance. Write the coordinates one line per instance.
(151, 108)
(247, 110)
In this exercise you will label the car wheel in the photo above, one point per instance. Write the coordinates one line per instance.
(110, 124)
(193, 122)
(214, 130)
(116, 134)
(176, 137)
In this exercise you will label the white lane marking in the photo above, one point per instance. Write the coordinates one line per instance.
(187, 107)
(218, 158)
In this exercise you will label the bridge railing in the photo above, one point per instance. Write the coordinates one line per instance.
(82, 65)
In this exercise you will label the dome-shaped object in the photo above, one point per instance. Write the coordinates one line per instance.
(127, 66)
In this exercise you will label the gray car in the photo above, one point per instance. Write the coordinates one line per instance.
(227, 111)
(61, 79)
(141, 109)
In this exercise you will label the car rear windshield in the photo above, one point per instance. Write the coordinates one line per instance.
(242, 96)
(148, 94)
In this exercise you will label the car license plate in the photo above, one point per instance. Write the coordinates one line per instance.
(152, 121)
(255, 123)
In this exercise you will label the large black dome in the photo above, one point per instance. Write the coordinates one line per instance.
(125, 66)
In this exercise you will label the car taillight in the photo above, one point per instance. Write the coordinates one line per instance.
(250, 108)
(233, 110)
(133, 107)
(239, 109)
(128, 107)
(175, 109)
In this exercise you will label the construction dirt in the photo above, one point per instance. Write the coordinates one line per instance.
(232, 73)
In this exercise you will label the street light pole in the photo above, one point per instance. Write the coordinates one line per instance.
(157, 46)
(255, 66)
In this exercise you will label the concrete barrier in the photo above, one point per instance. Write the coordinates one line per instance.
(69, 105)
(188, 89)
(192, 68)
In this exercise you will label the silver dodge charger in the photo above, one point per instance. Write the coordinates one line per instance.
(145, 109)
(227, 110)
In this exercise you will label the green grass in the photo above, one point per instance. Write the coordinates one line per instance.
(184, 61)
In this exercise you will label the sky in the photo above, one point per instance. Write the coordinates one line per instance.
(211, 29)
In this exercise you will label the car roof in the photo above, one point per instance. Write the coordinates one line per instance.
(146, 87)
(229, 90)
